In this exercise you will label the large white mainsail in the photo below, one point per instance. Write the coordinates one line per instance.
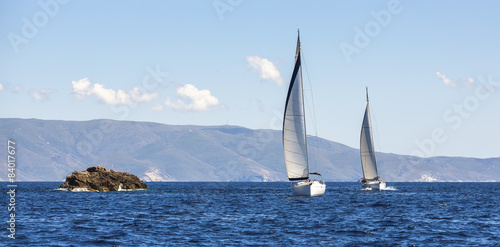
(368, 161)
(370, 180)
(294, 127)
(295, 139)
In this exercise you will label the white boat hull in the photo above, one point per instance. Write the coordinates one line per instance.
(373, 185)
(309, 188)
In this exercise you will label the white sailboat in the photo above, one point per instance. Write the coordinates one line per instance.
(371, 179)
(295, 138)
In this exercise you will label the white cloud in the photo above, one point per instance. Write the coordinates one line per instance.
(468, 81)
(197, 100)
(157, 107)
(17, 89)
(42, 94)
(448, 82)
(266, 69)
(81, 88)
(37, 96)
(84, 87)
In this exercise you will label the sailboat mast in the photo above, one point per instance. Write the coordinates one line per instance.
(367, 150)
(371, 137)
(294, 130)
(303, 107)
(367, 94)
(297, 49)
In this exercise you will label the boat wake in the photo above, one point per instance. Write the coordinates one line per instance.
(390, 188)
(386, 188)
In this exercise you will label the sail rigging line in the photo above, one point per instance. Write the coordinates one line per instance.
(314, 122)
(375, 124)
(312, 96)
(303, 110)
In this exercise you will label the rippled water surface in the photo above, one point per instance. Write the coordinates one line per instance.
(187, 214)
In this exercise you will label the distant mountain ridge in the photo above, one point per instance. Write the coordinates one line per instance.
(49, 150)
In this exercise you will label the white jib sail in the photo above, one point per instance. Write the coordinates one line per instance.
(294, 127)
(367, 150)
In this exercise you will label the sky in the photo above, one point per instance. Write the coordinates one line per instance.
(431, 67)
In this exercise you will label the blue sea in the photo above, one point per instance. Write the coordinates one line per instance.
(255, 214)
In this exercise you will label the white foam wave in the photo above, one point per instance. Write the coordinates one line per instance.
(120, 188)
(390, 188)
(80, 190)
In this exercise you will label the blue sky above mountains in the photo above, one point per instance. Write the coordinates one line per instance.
(431, 67)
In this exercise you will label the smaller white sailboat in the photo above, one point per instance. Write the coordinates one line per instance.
(295, 137)
(370, 180)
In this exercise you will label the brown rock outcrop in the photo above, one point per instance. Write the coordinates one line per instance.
(101, 179)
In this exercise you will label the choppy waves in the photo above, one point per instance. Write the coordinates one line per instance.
(425, 214)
